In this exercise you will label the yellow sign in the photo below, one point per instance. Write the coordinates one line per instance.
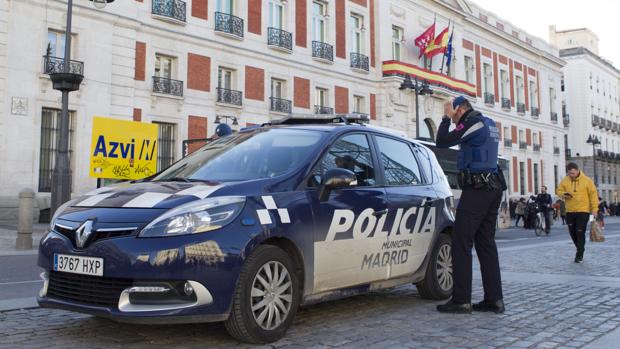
(123, 149)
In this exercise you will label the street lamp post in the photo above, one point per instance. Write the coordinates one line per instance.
(65, 81)
(218, 119)
(419, 89)
(594, 140)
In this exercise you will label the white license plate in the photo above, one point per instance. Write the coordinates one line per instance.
(78, 264)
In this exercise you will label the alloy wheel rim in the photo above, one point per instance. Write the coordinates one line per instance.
(444, 268)
(271, 295)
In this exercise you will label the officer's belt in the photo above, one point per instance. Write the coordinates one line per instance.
(483, 180)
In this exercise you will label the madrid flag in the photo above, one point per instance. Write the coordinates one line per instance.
(423, 40)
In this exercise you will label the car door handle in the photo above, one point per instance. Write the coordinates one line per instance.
(379, 213)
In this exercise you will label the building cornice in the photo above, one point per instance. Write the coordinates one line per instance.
(582, 51)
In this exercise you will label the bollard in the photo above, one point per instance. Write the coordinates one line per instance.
(25, 217)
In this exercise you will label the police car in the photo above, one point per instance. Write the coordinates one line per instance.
(253, 225)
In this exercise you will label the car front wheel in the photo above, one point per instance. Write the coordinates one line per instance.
(438, 281)
(266, 297)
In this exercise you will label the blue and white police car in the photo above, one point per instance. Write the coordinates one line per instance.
(253, 225)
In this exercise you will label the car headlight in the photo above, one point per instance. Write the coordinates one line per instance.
(196, 217)
(59, 211)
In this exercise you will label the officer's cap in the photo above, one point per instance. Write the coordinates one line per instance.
(458, 101)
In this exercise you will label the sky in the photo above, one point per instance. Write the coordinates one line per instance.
(535, 16)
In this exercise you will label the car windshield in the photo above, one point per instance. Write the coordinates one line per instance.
(263, 153)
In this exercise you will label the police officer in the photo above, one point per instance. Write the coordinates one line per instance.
(476, 215)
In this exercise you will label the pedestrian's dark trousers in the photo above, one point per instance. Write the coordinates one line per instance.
(519, 216)
(577, 225)
(476, 217)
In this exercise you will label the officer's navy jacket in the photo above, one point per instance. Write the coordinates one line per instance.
(478, 138)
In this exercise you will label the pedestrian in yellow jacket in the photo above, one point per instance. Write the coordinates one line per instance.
(581, 198)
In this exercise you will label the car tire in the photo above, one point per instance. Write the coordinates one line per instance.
(438, 282)
(274, 299)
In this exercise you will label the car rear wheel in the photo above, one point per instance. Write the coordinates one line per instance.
(438, 281)
(266, 297)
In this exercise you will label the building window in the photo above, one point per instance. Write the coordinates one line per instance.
(321, 97)
(469, 69)
(397, 41)
(521, 136)
(357, 33)
(522, 177)
(319, 21)
(358, 104)
(507, 133)
(226, 6)
(50, 129)
(56, 42)
(225, 78)
(166, 145)
(488, 78)
(520, 92)
(504, 81)
(164, 66)
(278, 88)
(276, 14)
(533, 94)
(555, 175)
(551, 99)
(536, 178)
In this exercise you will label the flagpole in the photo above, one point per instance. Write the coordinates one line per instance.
(451, 53)
(443, 57)
(431, 66)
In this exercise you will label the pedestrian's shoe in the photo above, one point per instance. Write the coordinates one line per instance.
(455, 308)
(578, 259)
(495, 306)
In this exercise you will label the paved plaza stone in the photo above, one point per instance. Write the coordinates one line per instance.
(551, 303)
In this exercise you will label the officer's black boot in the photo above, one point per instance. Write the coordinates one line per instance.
(454, 308)
(495, 306)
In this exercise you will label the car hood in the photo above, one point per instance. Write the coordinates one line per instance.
(156, 195)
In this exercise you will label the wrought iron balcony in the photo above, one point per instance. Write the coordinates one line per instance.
(280, 105)
(554, 117)
(167, 86)
(614, 127)
(608, 124)
(322, 50)
(521, 108)
(556, 150)
(508, 143)
(535, 112)
(595, 120)
(506, 103)
(567, 153)
(228, 96)
(489, 98)
(55, 65)
(566, 120)
(522, 145)
(229, 24)
(536, 147)
(174, 9)
(359, 61)
(280, 38)
(319, 109)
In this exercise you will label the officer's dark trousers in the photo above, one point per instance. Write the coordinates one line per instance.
(577, 225)
(476, 217)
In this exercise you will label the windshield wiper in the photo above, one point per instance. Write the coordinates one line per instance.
(175, 179)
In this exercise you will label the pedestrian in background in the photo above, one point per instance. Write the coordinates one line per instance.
(602, 210)
(520, 211)
(563, 211)
(581, 198)
(544, 201)
(476, 215)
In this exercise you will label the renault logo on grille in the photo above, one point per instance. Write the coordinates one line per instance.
(83, 233)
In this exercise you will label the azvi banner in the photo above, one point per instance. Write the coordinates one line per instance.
(123, 149)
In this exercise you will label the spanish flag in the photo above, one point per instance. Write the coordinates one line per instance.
(439, 45)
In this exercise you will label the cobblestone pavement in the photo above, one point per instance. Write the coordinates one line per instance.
(542, 312)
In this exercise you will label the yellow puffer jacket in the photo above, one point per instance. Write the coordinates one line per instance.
(584, 195)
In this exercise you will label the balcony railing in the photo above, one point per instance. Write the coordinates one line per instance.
(506, 103)
(521, 108)
(508, 143)
(167, 86)
(556, 150)
(322, 50)
(280, 38)
(174, 9)
(522, 145)
(489, 98)
(614, 127)
(566, 120)
(536, 147)
(229, 24)
(319, 109)
(280, 105)
(595, 120)
(535, 112)
(554, 117)
(228, 96)
(567, 153)
(359, 61)
(608, 124)
(55, 65)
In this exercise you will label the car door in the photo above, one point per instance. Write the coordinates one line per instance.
(345, 224)
(412, 201)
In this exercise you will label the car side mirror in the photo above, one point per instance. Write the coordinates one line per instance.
(335, 178)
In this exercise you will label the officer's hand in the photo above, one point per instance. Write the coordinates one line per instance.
(448, 110)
